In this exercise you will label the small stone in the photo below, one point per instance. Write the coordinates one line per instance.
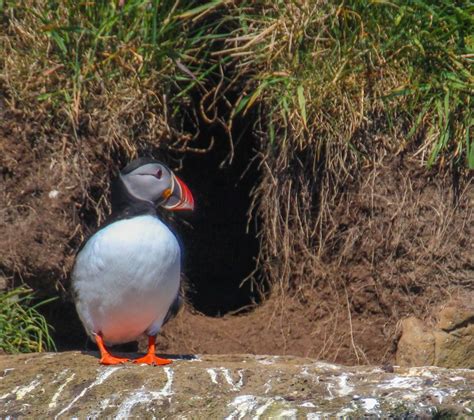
(53, 194)
(455, 349)
(387, 367)
(417, 344)
(457, 313)
(3, 283)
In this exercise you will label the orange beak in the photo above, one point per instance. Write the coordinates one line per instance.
(180, 197)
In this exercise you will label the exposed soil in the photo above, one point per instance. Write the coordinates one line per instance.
(350, 231)
(399, 243)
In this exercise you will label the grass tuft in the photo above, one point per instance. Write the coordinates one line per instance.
(79, 45)
(324, 65)
(22, 328)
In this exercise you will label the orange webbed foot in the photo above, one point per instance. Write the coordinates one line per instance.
(108, 359)
(152, 360)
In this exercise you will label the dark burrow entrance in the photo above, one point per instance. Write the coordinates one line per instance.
(220, 246)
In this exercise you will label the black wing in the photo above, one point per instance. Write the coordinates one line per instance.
(174, 308)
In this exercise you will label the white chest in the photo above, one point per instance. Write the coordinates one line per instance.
(127, 276)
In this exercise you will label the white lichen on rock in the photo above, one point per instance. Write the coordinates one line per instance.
(233, 387)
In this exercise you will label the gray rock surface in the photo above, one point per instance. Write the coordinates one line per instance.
(72, 384)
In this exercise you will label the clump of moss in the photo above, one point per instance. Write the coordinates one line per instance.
(22, 328)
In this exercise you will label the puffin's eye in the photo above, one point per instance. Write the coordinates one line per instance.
(159, 174)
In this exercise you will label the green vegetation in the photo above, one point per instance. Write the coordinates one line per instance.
(81, 48)
(318, 67)
(22, 328)
(326, 65)
(432, 44)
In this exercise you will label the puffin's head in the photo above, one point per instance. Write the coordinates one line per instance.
(146, 179)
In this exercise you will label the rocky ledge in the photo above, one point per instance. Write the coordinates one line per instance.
(72, 384)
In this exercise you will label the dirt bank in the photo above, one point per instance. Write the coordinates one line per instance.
(350, 230)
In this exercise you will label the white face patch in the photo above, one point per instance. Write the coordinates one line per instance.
(148, 182)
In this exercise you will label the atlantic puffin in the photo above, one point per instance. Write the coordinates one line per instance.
(126, 277)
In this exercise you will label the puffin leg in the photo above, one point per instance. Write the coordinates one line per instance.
(151, 358)
(105, 357)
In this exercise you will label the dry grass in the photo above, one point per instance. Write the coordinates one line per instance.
(352, 107)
